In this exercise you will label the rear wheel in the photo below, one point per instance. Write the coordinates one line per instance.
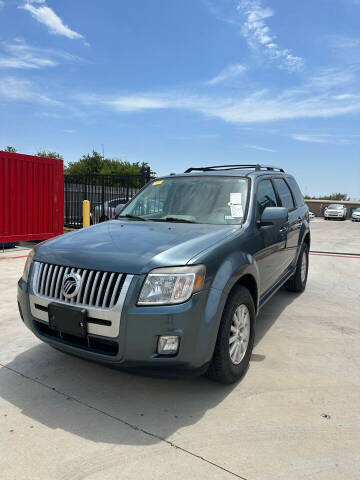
(235, 339)
(297, 283)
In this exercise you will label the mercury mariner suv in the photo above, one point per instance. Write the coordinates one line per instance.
(175, 283)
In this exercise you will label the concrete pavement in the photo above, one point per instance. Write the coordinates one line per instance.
(65, 418)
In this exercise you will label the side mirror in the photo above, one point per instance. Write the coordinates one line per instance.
(276, 216)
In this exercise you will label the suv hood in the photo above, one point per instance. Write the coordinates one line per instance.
(132, 246)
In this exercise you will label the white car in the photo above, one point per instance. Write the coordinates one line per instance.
(107, 210)
(335, 210)
(355, 217)
(311, 215)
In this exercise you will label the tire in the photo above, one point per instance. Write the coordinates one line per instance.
(297, 283)
(222, 368)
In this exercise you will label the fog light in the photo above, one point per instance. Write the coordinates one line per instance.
(168, 345)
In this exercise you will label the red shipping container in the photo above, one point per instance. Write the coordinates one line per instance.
(31, 197)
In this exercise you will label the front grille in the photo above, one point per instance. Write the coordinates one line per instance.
(97, 289)
(98, 345)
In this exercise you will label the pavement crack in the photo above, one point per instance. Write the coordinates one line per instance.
(124, 422)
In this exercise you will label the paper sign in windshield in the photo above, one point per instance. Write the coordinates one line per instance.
(236, 211)
(235, 205)
(236, 198)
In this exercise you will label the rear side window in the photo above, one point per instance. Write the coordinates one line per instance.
(266, 196)
(284, 193)
(296, 191)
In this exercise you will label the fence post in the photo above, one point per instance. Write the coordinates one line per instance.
(103, 195)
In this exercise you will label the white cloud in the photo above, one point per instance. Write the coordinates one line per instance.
(258, 34)
(2, 4)
(45, 15)
(332, 77)
(49, 114)
(18, 54)
(229, 73)
(261, 149)
(260, 106)
(343, 96)
(319, 138)
(15, 89)
(342, 42)
(135, 103)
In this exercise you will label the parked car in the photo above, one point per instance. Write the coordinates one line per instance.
(335, 211)
(311, 215)
(177, 289)
(355, 217)
(107, 210)
(8, 245)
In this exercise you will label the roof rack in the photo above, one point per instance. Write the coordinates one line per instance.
(215, 168)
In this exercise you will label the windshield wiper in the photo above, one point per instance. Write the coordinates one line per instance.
(172, 219)
(135, 217)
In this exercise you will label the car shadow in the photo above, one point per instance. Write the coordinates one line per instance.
(103, 404)
(271, 312)
(63, 392)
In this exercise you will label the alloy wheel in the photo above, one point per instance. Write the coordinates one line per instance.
(239, 334)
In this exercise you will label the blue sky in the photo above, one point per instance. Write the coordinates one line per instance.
(180, 83)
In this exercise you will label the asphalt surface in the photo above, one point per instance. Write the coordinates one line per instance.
(295, 415)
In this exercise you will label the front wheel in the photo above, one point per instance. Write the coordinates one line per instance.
(297, 283)
(235, 339)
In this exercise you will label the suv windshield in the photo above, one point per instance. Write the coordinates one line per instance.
(335, 207)
(204, 199)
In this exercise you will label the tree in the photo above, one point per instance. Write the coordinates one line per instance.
(49, 154)
(94, 163)
(88, 164)
(10, 149)
(337, 197)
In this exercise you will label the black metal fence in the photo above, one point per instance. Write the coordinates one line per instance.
(106, 193)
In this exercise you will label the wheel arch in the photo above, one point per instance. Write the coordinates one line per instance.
(248, 280)
(307, 240)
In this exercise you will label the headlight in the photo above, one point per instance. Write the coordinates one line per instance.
(27, 265)
(171, 285)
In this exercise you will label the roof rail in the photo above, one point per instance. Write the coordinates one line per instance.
(215, 168)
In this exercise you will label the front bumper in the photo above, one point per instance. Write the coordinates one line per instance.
(196, 322)
(335, 215)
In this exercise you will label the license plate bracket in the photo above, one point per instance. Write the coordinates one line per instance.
(68, 319)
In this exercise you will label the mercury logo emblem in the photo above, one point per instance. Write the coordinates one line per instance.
(71, 285)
